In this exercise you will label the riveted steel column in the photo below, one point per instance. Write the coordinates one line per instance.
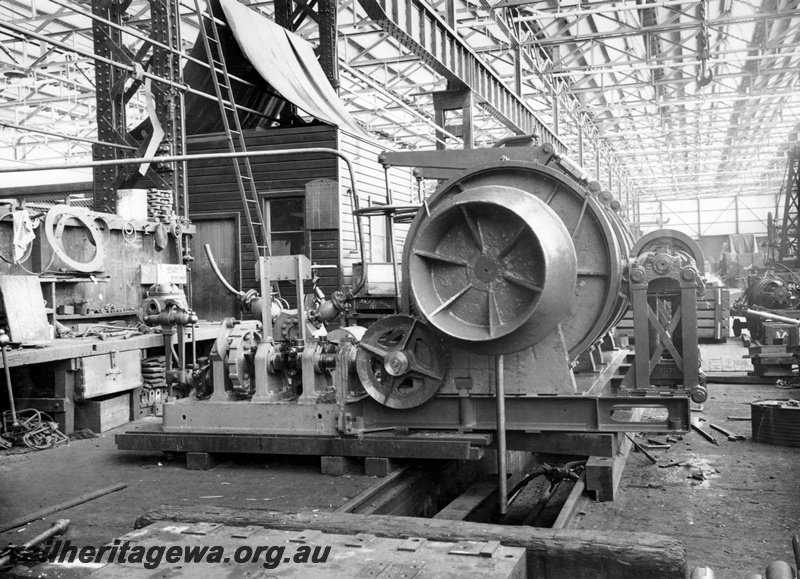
(110, 82)
(169, 101)
(328, 46)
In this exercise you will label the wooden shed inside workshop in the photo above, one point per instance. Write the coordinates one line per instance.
(308, 207)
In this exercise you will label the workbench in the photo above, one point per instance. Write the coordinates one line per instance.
(88, 368)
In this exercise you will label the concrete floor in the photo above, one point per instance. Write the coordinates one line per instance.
(34, 480)
(737, 521)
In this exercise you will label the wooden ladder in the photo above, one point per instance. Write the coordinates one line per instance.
(234, 136)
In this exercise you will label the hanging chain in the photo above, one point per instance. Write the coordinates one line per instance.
(706, 75)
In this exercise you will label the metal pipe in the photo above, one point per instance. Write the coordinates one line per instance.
(58, 528)
(747, 312)
(218, 273)
(4, 340)
(390, 234)
(205, 156)
(796, 549)
(63, 136)
(500, 395)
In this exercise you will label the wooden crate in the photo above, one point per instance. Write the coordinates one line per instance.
(102, 414)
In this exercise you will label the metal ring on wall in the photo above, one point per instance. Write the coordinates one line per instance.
(54, 218)
(129, 232)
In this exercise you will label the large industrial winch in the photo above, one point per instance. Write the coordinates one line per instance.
(517, 256)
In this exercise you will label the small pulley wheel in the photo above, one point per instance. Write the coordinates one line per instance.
(401, 362)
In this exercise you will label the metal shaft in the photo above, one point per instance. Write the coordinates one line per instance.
(8, 386)
(59, 527)
(502, 483)
(748, 313)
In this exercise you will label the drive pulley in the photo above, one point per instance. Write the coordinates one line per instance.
(401, 362)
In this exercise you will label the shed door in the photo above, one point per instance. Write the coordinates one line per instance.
(211, 300)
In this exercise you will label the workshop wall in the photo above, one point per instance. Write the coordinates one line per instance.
(331, 240)
(371, 187)
(213, 190)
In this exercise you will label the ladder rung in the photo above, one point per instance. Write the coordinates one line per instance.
(249, 178)
(251, 200)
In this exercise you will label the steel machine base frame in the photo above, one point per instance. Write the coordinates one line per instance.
(447, 427)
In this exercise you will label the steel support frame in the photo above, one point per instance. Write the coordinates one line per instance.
(114, 92)
(428, 36)
(790, 232)
(111, 118)
(326, 16)
(169, 100)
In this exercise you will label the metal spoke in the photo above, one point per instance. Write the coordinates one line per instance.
(440, 257)
(523, 282)
(474, 229)
(424, 372)
(373, 348)
(494, 314)
(450, 302)
(514, 239)
(392, 389)
(580, 217)
(407, 336)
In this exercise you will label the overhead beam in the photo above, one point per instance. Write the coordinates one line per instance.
(428, 36)
(658, 29)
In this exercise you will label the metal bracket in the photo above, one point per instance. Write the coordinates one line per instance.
(113, 369)
(412, 544)
(202, 529)
(360, 540)
(306, 536)
(246, 532)
(476, 549)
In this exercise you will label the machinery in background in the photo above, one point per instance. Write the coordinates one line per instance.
(771, 308)
(783, 242)
(771, 302)
(514, 273)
